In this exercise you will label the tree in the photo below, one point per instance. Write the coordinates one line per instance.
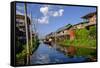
(92, 32)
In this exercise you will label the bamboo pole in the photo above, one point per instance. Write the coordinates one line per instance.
(35, 31)
(26, 27)
(31, 32)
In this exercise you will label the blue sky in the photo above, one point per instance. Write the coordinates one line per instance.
(52, 17)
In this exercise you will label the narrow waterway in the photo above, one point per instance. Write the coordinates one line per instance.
(46, 54)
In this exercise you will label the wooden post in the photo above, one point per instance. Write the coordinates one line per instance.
(55, 37)
(35, 31)
(72, 34)
(31, 32)
(27, 40)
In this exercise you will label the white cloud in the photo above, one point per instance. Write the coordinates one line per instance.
(43, 20)
(44, 10)
(61, 12)
(19, 7)
(47, 13)
(57, 13)
(20, 13)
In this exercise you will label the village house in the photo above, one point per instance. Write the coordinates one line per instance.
(91, 19)
(20, 29)
(68, 31)
(63, 33)
(63, 30)
(59, 34)
(79, 25)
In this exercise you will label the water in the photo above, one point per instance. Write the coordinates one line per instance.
(46, 54)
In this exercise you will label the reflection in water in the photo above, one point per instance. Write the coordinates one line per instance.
(46, 54)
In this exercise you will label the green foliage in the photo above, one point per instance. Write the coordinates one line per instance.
(92, 32)
(81, 34)
(83, 37)
(87, 40)
(84, 42)
(22, 54)
(85, 52)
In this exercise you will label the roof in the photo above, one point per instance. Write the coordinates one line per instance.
(89, 15)
(60, 29)
(80, 23)
(64, 28)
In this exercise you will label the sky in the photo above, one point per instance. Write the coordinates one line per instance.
(49, 18)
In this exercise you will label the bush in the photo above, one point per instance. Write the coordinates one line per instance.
(82, 33)
(82, 37)
(84, 42)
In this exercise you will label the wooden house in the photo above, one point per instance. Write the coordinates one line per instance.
(91, 19)
(20, 28)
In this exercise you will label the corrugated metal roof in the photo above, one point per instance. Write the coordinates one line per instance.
(64, 28)
(88, 15)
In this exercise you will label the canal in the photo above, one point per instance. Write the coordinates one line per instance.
(46, 54)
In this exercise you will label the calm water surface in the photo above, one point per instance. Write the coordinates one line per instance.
(46, 54)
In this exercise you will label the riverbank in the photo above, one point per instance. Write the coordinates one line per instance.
(21, 57)
(71, 51)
